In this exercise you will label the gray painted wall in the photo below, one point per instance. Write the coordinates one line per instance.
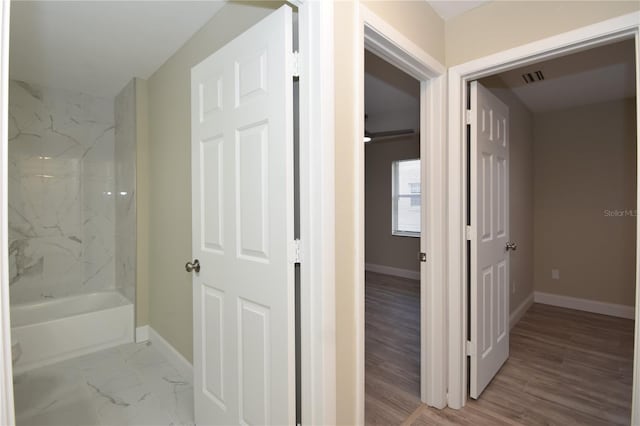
(382, 248)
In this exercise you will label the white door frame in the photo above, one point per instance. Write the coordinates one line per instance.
(623, 27)
(377, 36)
(6, 375)
(317, 215)
(317, 212)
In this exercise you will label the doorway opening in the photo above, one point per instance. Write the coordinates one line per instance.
(385, 42)
(392, 242)
(63, 147)
(570, 255)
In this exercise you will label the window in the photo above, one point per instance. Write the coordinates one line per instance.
(406, 198)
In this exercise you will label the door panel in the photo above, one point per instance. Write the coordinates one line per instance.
(490, 231)
(251, 192)
(242, 166)
(213, 364)
(211, 165)
(253, 349)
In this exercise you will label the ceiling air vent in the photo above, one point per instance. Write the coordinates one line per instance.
(532, 77)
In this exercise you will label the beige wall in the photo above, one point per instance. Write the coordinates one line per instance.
(584, 166)
(520, 192)
(142, 203)
(420, 24)
(345, 196)
(500, 25)
(416, 21)
(169, 241)
(381, 247)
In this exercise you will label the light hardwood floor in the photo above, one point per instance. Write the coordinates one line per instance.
(565, 367)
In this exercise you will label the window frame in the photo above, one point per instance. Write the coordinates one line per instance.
(395, 197)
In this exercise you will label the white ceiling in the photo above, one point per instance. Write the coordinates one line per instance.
(391, 97)
(601, 74)
(451, 8)
(96, 47)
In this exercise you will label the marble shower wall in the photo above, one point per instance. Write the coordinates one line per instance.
(61, 193)
(125, 172)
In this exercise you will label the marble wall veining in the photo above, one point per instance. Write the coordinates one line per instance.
(61, 193)
(125, 195)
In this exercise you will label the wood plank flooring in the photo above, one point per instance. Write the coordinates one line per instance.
(565, 366)
(392, 348)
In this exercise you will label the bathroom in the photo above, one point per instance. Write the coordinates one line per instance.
(81, 345)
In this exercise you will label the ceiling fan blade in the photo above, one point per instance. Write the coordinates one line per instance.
(391, 133)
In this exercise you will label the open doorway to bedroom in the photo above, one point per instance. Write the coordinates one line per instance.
(570, 251)
(392, 242)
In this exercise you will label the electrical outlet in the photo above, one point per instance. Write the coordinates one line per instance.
(555, 274)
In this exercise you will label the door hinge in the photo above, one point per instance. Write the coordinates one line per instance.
(296, 251)
(470, 348)
(468, 117)
(422, 256)
(295, 64)
(468, 232)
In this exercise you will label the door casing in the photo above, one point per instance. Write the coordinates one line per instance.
(609, 31)
(377, 36)
(7, 415)
(317, 211)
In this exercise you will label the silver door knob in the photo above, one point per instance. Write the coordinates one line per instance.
(193, 266)
(511, 246)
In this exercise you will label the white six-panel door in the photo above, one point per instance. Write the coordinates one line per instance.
(489, 235)
(242, 181)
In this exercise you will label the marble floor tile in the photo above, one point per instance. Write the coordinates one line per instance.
(132, 384)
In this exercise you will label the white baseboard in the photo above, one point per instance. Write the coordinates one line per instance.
(142, 333)
(621, 311)
(519, 312)
(184, 367)
(389, 270)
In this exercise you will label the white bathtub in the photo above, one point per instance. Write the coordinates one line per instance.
(59, 329)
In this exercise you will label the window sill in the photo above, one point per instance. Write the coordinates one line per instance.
(405, 234)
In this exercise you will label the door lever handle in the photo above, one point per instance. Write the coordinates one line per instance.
(511, 246)
(193, 266)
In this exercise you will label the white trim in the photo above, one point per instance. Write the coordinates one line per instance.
(433, 297)
(6, 375)
(394, 272)
(317, 212)
(142, 333)
(519, 312)
(184, 367)
(377, 36)
(623, 27)
(391, 45)
(612, 309)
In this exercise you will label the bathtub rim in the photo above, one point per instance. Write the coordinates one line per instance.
(40, 303)
(121, 332)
